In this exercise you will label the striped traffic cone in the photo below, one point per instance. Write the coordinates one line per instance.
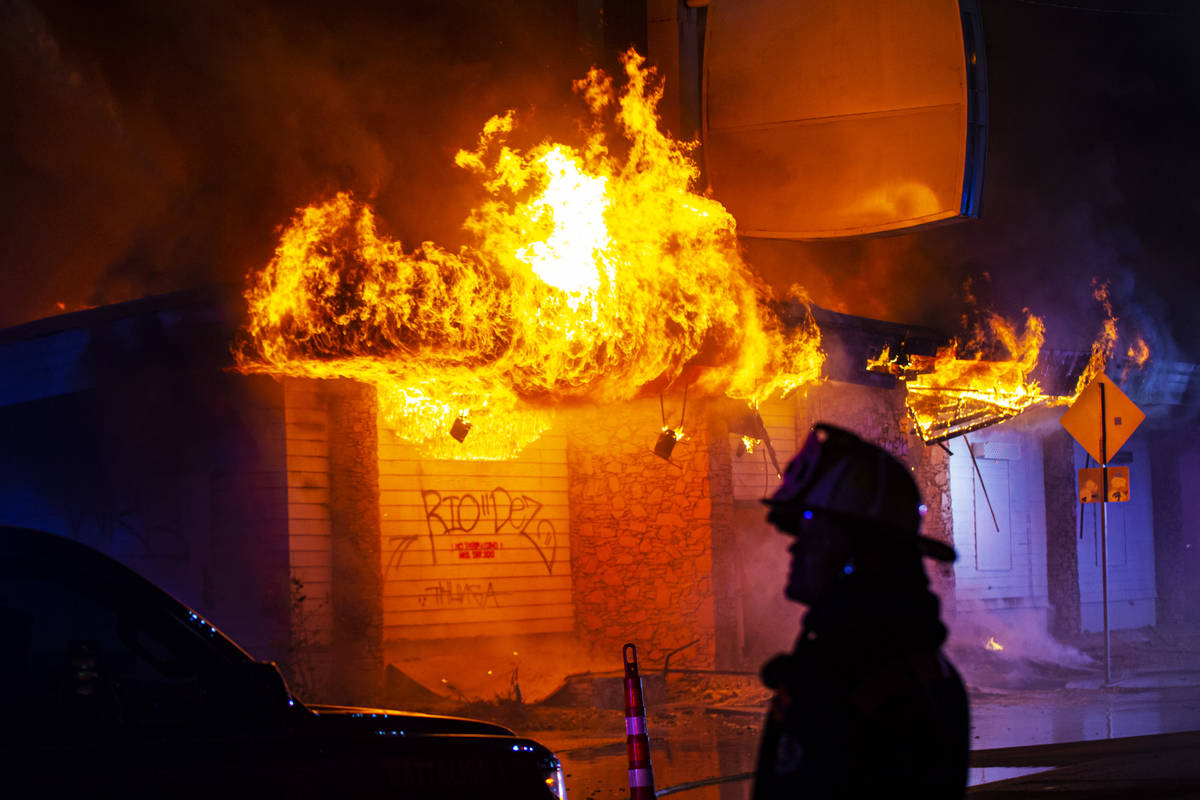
(641, 775)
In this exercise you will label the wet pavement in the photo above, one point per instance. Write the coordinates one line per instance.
(707, 753)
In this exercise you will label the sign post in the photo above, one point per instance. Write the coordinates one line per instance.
(1103, 415)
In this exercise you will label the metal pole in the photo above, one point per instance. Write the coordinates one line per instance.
(982, 485)
(1104, 535)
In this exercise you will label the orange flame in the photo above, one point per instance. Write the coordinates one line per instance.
(947, 395)
(1135, 357)
(945, 387)
(993, 645)
(1139, 353)
(1102, 348)
(588, 276)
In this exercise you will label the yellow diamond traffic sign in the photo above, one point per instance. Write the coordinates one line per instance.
(1121, 418)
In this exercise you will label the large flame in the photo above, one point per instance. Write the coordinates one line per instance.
(989, 379)
(588, 276)
(946, 386)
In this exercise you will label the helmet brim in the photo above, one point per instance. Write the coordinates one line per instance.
(930, 548)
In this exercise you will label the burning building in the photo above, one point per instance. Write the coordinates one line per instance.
(553, 439)
(287, 510)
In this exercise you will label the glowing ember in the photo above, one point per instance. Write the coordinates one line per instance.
(992, 644)
(587, 276)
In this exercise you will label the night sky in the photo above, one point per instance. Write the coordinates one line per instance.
(151, 146)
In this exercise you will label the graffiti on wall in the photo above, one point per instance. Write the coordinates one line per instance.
(488, 513)
(457, 593)
(498, 511)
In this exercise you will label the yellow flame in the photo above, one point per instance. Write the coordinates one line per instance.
(993, 380)
(992, 644)
(1102, 348)
(1002, 386)
(588, 276)
(883, 363)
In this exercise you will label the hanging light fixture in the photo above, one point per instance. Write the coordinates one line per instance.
(460, 429)
(669, 437)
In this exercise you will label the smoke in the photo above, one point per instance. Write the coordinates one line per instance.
(154, 147)
(1022, 635)
(1089, 175)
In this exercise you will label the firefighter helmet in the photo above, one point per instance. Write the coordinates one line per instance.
(836, 472)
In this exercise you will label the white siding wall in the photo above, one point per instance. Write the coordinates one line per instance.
(754, 475)
(1004, 568)
(1131, 589)
(475, 548)
(309, 537)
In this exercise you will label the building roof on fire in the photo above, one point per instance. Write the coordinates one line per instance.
(58, 355)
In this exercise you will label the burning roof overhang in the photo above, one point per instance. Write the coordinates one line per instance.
(850, 341)
(943, 413)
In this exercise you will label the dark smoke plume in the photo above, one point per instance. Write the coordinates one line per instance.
(155, 146)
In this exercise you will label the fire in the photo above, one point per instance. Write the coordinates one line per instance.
(949, 396)
(588, 276)
(1135, 357)
(1102, 348)
(993, 645)
(1139, 352)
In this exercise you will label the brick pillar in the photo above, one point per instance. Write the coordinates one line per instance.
(356, 592)
(1062, 533)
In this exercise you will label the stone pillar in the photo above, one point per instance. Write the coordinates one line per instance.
(1062, 533)
(356, 592)
(730, 638)
(931, 470)
(641, 534)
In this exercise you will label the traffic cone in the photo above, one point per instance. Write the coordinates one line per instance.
(641, 775)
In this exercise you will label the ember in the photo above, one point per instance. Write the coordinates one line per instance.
(588, 276)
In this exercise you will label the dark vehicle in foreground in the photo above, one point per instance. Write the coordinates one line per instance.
(112, 687)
